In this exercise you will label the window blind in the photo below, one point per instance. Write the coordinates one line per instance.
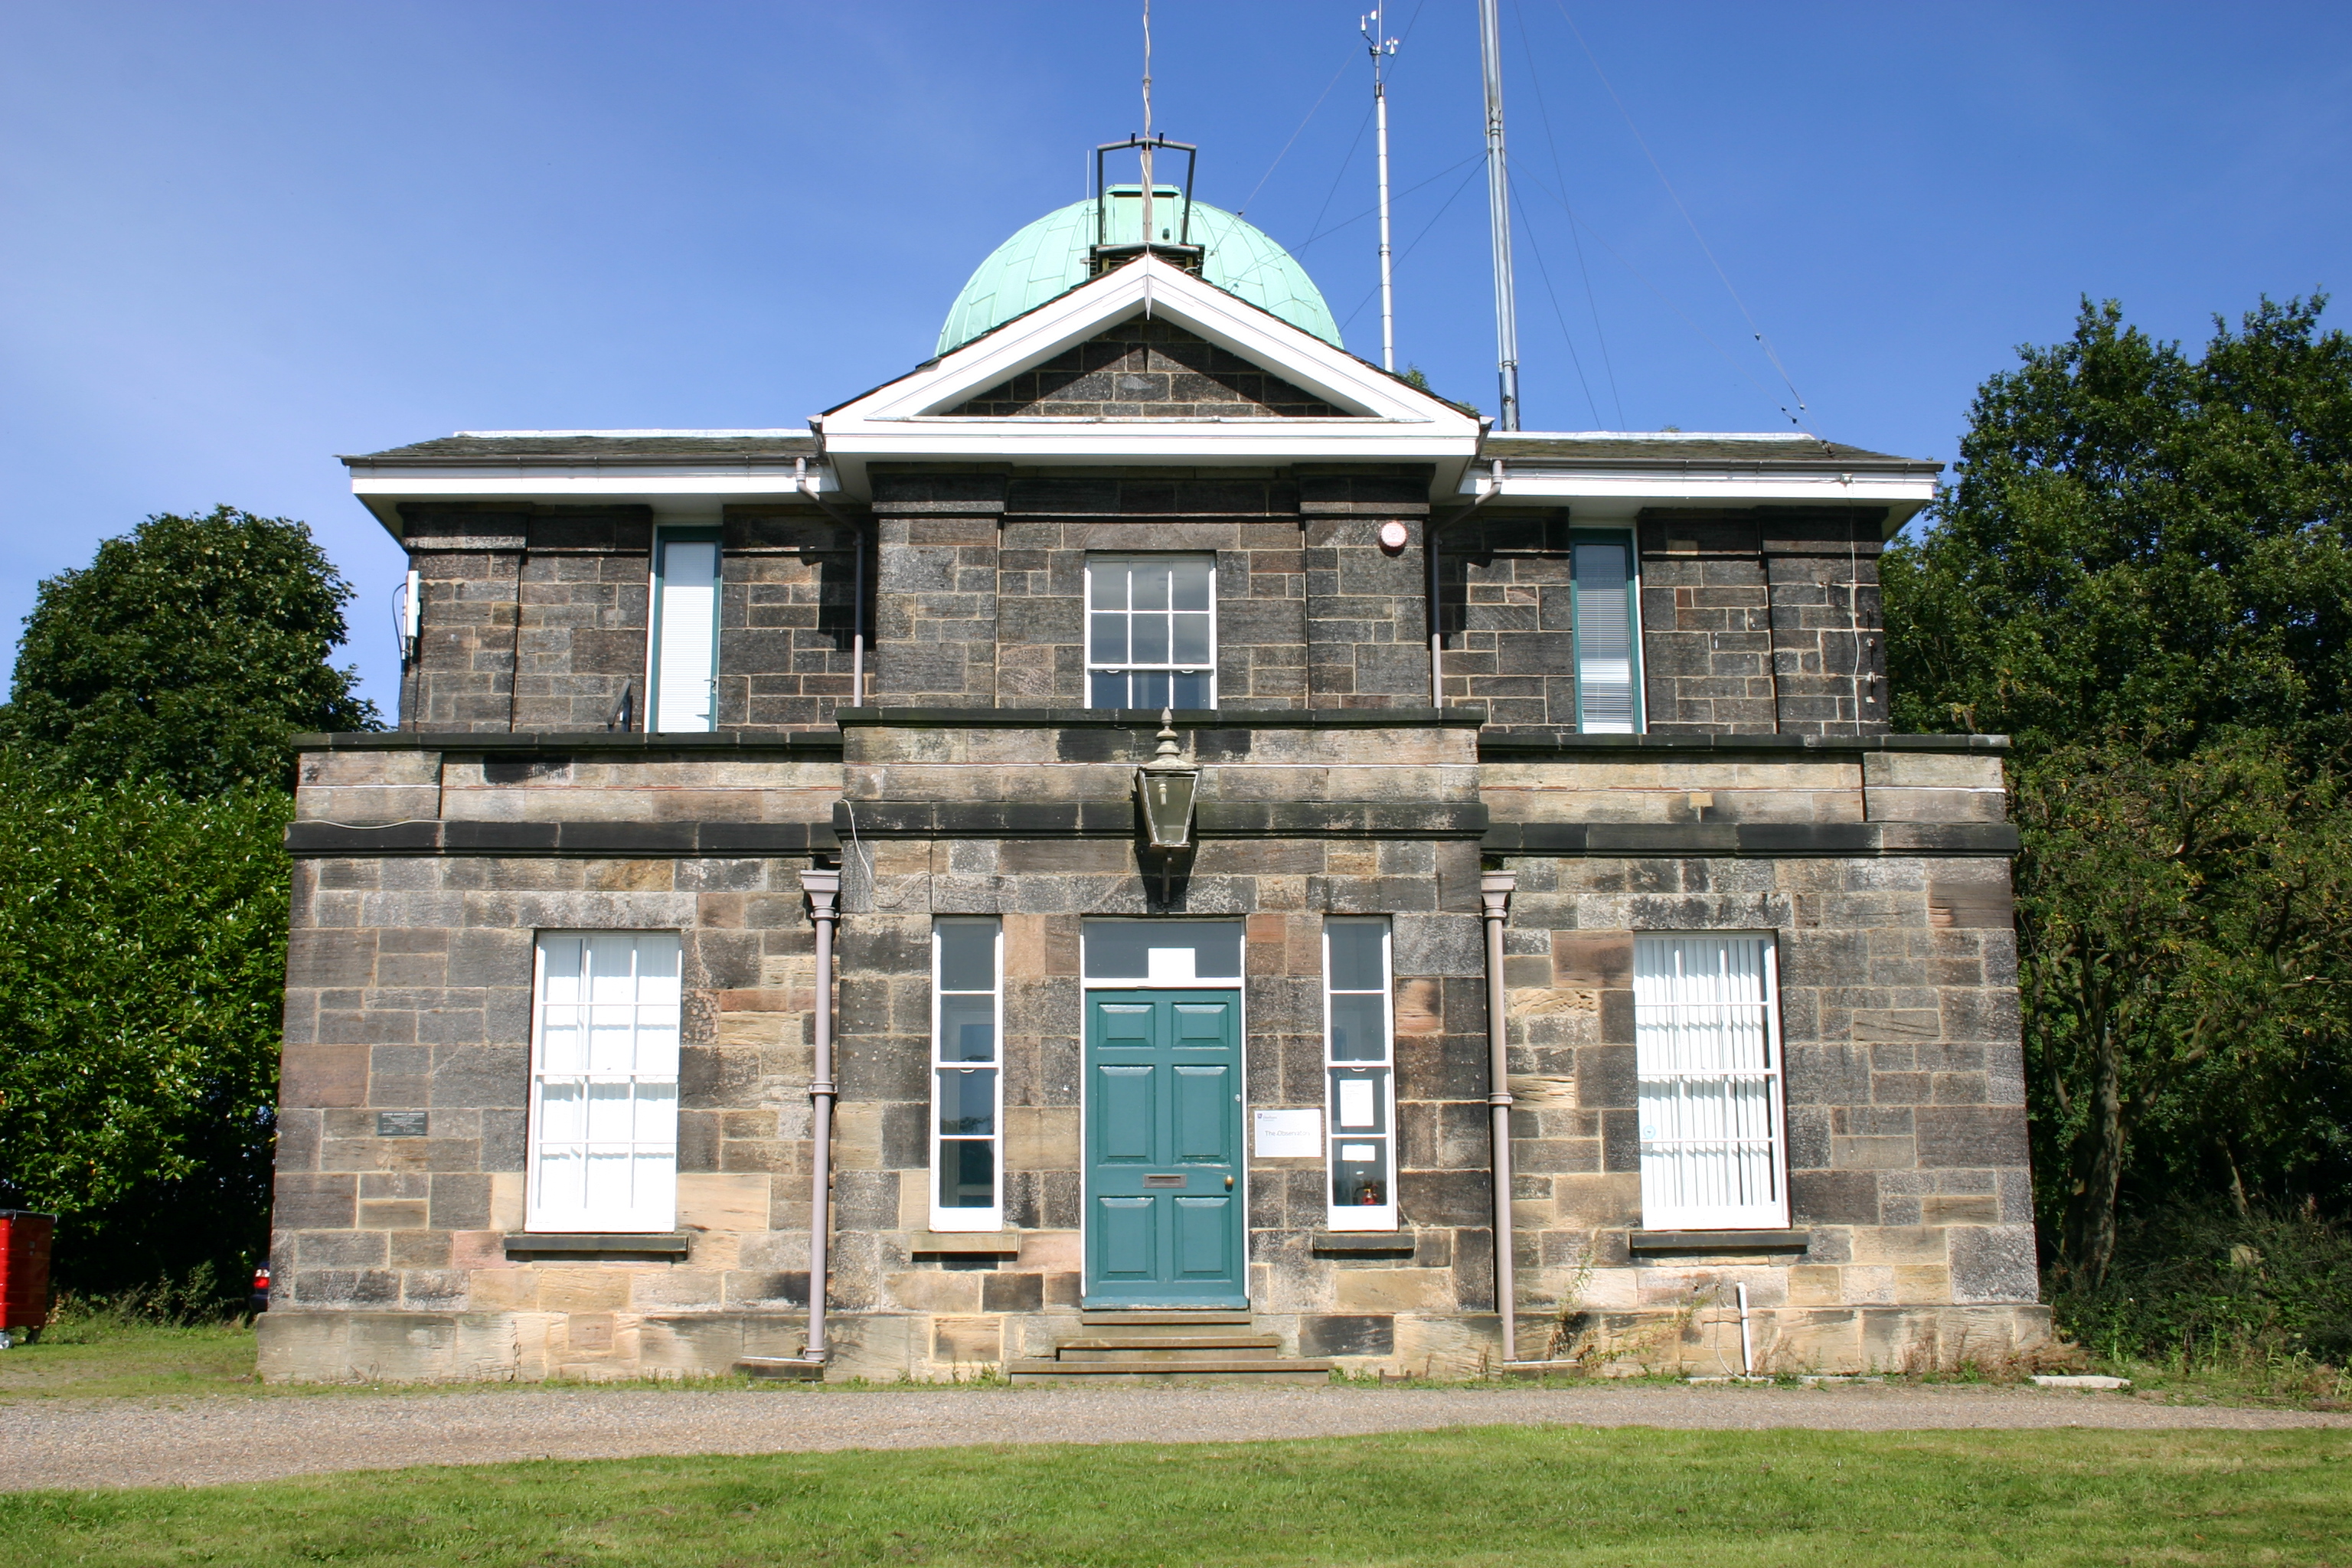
(686, 623)
(603, 1105)
(1708, 1057)
(1606, 700)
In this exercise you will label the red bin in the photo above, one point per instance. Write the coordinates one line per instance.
(24, 1268)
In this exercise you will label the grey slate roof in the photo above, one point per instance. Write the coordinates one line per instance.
(509, 449)
(1615, 450)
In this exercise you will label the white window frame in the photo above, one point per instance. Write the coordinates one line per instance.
(654, 1067)
(1694, 1174)
(1124, 558)
(944, 1218)
(658, 719)
(1361, 1216)
(1618, 538)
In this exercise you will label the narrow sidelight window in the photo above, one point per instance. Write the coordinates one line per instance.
(1151, 631)
(604, 1082)
(683, 673)
(1706, 1031)
(1361, 1068)
(967, 1026)
(1607, 610)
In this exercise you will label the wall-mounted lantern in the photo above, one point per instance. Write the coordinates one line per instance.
(1164, 787)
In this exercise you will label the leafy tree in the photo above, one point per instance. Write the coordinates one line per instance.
(142, 941)
(2142, 575)
(189, 650)
(2185, 934)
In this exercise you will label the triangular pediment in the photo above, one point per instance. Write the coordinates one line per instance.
(1142, 369)
(1147, 363)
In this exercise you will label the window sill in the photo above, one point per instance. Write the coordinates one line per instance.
(965, 1243)
(1718, 1240)
(1361, 1243)
(586, 1244)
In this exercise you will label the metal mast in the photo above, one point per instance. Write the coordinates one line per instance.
(1372, 26)
(1146, 236)
(1499, 203)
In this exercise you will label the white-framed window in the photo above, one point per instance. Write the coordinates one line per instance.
(682, 656)
(1604, 593)
(1707, 1030)
(1151, 631)
(967, 1073)
(604, 1082)
(1360, 1071)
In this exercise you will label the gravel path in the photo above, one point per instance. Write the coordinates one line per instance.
(109, 1443)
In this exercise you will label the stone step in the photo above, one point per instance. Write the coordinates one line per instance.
(1107, 1343)
(1165, 1320)
(1129, 1349)
(1132, 1369)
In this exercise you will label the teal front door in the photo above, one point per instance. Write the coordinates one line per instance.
(1164, 1150)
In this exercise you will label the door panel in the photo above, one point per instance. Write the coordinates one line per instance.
(1204, 1238)
(1204, 1103)
(1164, 1215)
(1124, 1092)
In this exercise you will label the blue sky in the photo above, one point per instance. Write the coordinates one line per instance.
(238, 240)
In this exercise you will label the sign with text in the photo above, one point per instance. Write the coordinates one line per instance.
(1289, 1134)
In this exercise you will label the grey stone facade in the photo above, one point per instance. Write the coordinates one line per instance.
(949, 519)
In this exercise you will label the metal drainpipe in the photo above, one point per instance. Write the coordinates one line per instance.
(807, 486)
(822, 887)
(1494, 896)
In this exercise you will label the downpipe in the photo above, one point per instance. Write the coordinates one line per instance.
(824, 889)
(1436, 592)
(1495, 889)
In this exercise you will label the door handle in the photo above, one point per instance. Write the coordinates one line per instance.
(1229, 1183)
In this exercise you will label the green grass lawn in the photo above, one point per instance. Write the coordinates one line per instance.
(85, 1360)
(1492, 1494)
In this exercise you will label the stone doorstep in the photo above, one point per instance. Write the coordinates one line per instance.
(1166, 1346)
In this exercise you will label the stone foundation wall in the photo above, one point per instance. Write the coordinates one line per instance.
(298, 1346)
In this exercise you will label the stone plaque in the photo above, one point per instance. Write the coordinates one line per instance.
(400, 1123)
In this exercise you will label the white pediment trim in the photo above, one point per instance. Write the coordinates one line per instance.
(1150, 286)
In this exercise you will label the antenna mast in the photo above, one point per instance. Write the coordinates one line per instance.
(1499, 203)
(1147, 233)
(1372, 26)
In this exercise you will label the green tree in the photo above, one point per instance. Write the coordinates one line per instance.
(142, 941)
(2185, 932)
(188, 650)
(2143, 541)
(2142, 575)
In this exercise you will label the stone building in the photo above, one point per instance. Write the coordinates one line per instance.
(781, 857)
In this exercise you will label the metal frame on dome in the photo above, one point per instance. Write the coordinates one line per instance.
(1184, 253)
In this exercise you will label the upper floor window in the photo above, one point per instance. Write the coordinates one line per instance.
(1151, 631)
(1605, 594)
(682, 664)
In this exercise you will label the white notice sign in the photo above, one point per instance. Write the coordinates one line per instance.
(1356, 1103)
(1289, 1134)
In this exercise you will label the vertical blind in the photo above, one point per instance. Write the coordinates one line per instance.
(603, 1111)
(1606, 701)
(686, 622)
(1709, 1060)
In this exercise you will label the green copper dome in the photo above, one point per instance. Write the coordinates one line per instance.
(1049, 257)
